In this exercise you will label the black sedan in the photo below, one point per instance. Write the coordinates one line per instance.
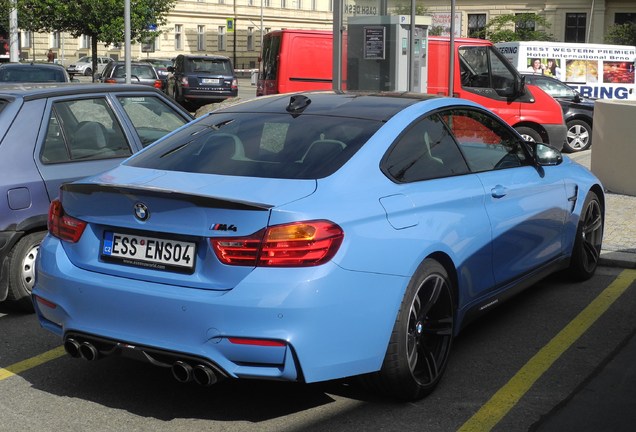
(578, 111)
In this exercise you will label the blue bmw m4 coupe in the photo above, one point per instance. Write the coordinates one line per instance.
(314, 236)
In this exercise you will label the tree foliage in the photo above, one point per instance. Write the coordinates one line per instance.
(102, 20)
(621, 34)
(517, 27)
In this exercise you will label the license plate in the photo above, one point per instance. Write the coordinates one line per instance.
(149, 252)
(211, 81)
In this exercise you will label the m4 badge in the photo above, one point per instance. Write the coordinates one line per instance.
(223, 227)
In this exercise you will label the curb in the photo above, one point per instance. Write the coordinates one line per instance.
(617, 259)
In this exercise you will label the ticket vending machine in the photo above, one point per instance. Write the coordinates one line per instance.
(379, 50)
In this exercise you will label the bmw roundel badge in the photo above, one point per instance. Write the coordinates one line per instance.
(141, 211)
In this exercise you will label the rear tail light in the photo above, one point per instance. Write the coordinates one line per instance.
(157, 84)
(62, 225)
(184, 82)
(110, 81)
(301, 244)
(234, 84)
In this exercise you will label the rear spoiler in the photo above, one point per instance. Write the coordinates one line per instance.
(199, 200)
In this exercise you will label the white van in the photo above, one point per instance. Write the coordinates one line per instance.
(595, 70)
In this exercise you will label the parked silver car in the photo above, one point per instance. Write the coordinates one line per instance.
(140, 73)
(84, 66)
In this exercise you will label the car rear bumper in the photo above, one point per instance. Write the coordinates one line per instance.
(198, 94)
(334, 322)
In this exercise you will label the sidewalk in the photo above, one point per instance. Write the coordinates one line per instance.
(619, 238)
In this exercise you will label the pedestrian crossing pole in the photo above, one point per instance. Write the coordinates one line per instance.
(231, 28)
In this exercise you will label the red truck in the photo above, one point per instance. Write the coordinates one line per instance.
(301, 60)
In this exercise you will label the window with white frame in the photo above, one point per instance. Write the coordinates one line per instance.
(221, 43)
(299, 4)
(85, 42)
(201, 38)
(313, 5)
(27, 39)
(283, 4)
(178, 37)
(221, 1)
(250, 38)
(55, 40)
(266, 3)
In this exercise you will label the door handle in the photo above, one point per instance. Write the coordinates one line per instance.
(498, 191)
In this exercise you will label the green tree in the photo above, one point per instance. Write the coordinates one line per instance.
(517, 27)
(621, 34)
(102, 20)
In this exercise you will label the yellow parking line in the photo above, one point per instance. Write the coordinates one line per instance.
(32, 362)
(507, 397)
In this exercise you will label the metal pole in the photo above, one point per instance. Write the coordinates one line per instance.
(411, 76)
(337, 45)
(451, 54)
(14, 50)
(262, 24)
(127, 39)
(589, 27)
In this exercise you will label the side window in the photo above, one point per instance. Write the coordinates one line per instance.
(425, 151)
(486, 143)
(54, 149)
(83, 129)
(484, 67)
(151, 117)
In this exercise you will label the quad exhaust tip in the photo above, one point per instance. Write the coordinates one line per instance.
(85, 350)
(200, 374)
(182, 371)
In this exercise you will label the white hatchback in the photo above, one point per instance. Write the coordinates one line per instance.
(84, 65)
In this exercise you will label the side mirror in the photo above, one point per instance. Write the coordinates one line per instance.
(546, 155)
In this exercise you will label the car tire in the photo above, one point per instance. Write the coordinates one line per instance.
(420, 343)
(88, 72)
(579, 136)
(22, 271)
(589, 237)
(529, 134)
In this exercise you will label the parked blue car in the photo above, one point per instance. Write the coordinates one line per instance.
(56, 133)
(314, 236)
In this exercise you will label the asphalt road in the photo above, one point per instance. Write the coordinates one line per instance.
(513, 370)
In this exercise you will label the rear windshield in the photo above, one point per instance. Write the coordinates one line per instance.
(212, 66)
(260, 145)
(139, 71)
(31, 74)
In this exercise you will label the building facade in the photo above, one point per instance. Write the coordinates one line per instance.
(234, 28)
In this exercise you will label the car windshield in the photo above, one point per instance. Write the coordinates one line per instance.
(261, 145)
(84, 60)
(553, 87)
(213, 66)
